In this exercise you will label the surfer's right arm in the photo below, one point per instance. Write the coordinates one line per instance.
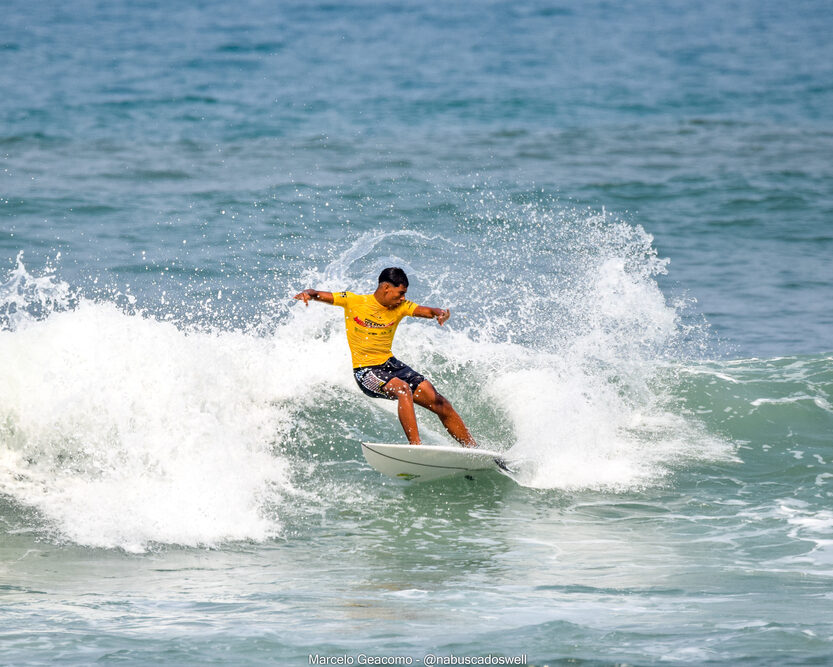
(315, 295)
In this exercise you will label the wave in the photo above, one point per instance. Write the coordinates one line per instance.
(783, 404)
(124, 429)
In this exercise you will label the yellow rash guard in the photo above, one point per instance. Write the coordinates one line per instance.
(370, 326)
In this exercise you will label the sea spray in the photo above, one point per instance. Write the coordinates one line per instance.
(123, 430)
(561, 349)
(25, 298)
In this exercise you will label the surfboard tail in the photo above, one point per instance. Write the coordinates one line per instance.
(504, 466)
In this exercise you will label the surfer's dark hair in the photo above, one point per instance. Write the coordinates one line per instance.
(393, 275)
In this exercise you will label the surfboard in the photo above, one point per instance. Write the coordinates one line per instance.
(422, 463)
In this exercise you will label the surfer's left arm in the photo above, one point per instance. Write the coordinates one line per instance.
(314, 295)
(432, 313)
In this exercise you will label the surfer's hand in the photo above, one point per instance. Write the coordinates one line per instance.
(305, 296)
(432, 313)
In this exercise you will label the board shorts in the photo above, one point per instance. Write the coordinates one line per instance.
(371, 379)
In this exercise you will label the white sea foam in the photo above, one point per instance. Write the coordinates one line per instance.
(810, 525)
(123, 430)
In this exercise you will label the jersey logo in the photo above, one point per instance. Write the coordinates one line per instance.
(372, 325)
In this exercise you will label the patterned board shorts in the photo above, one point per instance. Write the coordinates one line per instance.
(371, 379)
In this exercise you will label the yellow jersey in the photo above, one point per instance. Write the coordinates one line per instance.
(370, 326)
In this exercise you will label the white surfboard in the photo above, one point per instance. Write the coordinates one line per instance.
(421, 463)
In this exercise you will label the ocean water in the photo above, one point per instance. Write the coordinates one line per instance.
(628, 208)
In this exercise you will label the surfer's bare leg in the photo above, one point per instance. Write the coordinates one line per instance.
(400, 390)
(430, 398)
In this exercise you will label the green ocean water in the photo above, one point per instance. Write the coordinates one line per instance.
(627, 210)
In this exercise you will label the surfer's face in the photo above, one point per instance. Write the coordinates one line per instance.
(390, 296)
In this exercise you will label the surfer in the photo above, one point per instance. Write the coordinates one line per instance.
(371, 321)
